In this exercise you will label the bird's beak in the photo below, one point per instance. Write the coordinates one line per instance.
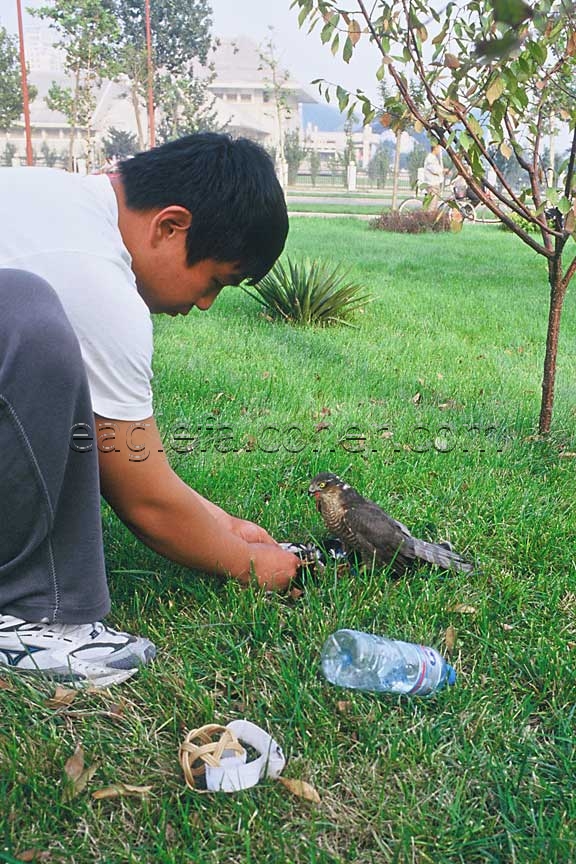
(316, 495)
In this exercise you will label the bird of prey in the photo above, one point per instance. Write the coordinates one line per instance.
(365, 528)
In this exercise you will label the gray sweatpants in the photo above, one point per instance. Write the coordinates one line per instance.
(51, 554)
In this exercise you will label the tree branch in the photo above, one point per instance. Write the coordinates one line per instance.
(570, 272)
(570, 170)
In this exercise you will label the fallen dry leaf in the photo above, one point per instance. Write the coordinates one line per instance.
(321, 426)
(295, 593)
(62, 697)
(121, 790)
(117, 709)
(301, 789)
(567, 454)
(5, 685)
(76, 777)
(33, 855)
(343, 706)
(463, 608)
(450, 639)
(417, 398)
(74, 765)
(507, 626)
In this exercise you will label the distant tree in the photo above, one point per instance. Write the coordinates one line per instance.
(314, 159)
(49, 155)
(181, 40)
(186, 106)
(8, 154)
(395, 116)
(415, 161)
(294, 153)
(88, 35)
(379, 166)
(10, 83)
(119, 143)
(277, 93)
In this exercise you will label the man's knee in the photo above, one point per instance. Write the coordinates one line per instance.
(33, 320)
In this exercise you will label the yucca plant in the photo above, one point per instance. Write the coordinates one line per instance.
(309, 292)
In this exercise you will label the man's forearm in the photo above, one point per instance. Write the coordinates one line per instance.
(180, 526)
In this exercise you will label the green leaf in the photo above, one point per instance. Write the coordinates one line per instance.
(512, 12)
(326, 32)
(475, 127)
(304, 12)
(538, 51)
(343, 97)
(497, 49)
(348, 50)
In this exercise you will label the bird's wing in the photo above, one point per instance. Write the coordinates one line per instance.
(374, 530)
(406, 531)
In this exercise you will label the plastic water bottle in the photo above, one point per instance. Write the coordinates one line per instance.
(364, 661)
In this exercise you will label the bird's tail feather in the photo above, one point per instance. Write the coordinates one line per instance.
(441, 556)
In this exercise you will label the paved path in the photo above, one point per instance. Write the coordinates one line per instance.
(332, 199)
(365, 216)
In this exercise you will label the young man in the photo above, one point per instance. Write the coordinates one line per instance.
(434, 175)
(83, 263)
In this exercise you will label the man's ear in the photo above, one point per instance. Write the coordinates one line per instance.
(169, 222)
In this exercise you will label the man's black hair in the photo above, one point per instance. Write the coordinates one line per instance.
(230, 188)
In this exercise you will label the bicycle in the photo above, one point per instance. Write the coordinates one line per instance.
(469, 211)
(445, 205)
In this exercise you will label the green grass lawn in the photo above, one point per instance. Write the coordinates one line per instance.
(429, 406)
(329, 207)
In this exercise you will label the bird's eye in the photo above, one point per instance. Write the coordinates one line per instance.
(321, 485)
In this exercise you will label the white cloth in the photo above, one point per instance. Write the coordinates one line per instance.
(64, 228)
(433, 170)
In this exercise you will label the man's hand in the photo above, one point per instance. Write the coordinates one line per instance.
(250, 531)
(272, 567)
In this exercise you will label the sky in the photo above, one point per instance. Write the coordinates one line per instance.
(301, 54)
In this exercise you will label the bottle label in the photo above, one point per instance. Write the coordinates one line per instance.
(430, 671)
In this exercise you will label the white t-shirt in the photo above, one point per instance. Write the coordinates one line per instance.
(64, 228)
(433, 170)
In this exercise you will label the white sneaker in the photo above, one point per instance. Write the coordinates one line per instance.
(84, 653)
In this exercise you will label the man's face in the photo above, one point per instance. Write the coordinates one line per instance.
(176, 288)
(165, 281)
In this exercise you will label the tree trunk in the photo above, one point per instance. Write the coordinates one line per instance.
(396, 171)
(557, 293)
(136, 106)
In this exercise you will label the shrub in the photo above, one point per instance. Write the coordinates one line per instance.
(529, 227)
(415, 222)
(309, 292)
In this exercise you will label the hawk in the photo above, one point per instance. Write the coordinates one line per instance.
(364, 527)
